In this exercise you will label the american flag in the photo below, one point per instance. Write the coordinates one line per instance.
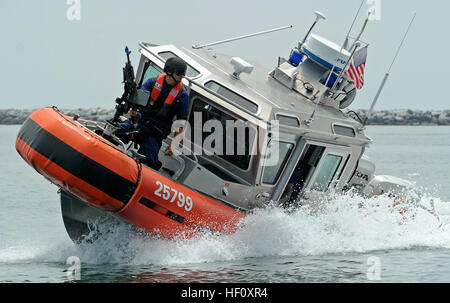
(357, 66)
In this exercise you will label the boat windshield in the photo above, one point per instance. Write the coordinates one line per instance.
(151, 71)
(190, 72)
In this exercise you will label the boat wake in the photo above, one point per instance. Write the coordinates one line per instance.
(346, 224)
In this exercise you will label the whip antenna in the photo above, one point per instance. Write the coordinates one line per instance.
(198, 46)
(351, 27)
(386, 76)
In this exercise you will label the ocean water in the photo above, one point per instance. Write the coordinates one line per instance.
(344, 243)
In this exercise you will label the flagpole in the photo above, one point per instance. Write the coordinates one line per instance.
(362, 30)
(357, 44)
(369, 113)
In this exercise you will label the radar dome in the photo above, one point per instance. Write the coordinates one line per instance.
(326, 53)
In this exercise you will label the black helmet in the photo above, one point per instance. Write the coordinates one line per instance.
(175, 65)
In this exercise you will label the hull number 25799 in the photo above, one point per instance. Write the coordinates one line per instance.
(172, 195)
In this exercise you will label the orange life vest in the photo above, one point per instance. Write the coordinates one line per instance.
(158, 87)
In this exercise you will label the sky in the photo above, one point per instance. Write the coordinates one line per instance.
(54, 54)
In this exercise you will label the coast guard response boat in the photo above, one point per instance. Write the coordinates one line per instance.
(299, 143)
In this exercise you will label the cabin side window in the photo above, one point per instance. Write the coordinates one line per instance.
(221, 134)
(344, 130)
(326, 172)
(278, 154)
(232, 96)
(287, 120)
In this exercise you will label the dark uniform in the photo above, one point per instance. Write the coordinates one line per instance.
(166, 103)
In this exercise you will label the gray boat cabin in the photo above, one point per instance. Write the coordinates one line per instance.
(307, 156)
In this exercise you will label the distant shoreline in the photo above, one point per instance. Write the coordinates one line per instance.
(381, 117)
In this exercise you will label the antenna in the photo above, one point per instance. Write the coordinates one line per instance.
(319, 16)
(353, 23)
(309, 121)
(198, 46)
(357, 44)
(369, 113)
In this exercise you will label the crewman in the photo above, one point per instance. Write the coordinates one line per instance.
(168, 100)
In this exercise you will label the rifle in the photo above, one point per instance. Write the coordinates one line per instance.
(132, 97)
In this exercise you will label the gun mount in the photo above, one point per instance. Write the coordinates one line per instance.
(132, 97)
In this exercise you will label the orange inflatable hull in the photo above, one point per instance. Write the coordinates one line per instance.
(98, 173)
